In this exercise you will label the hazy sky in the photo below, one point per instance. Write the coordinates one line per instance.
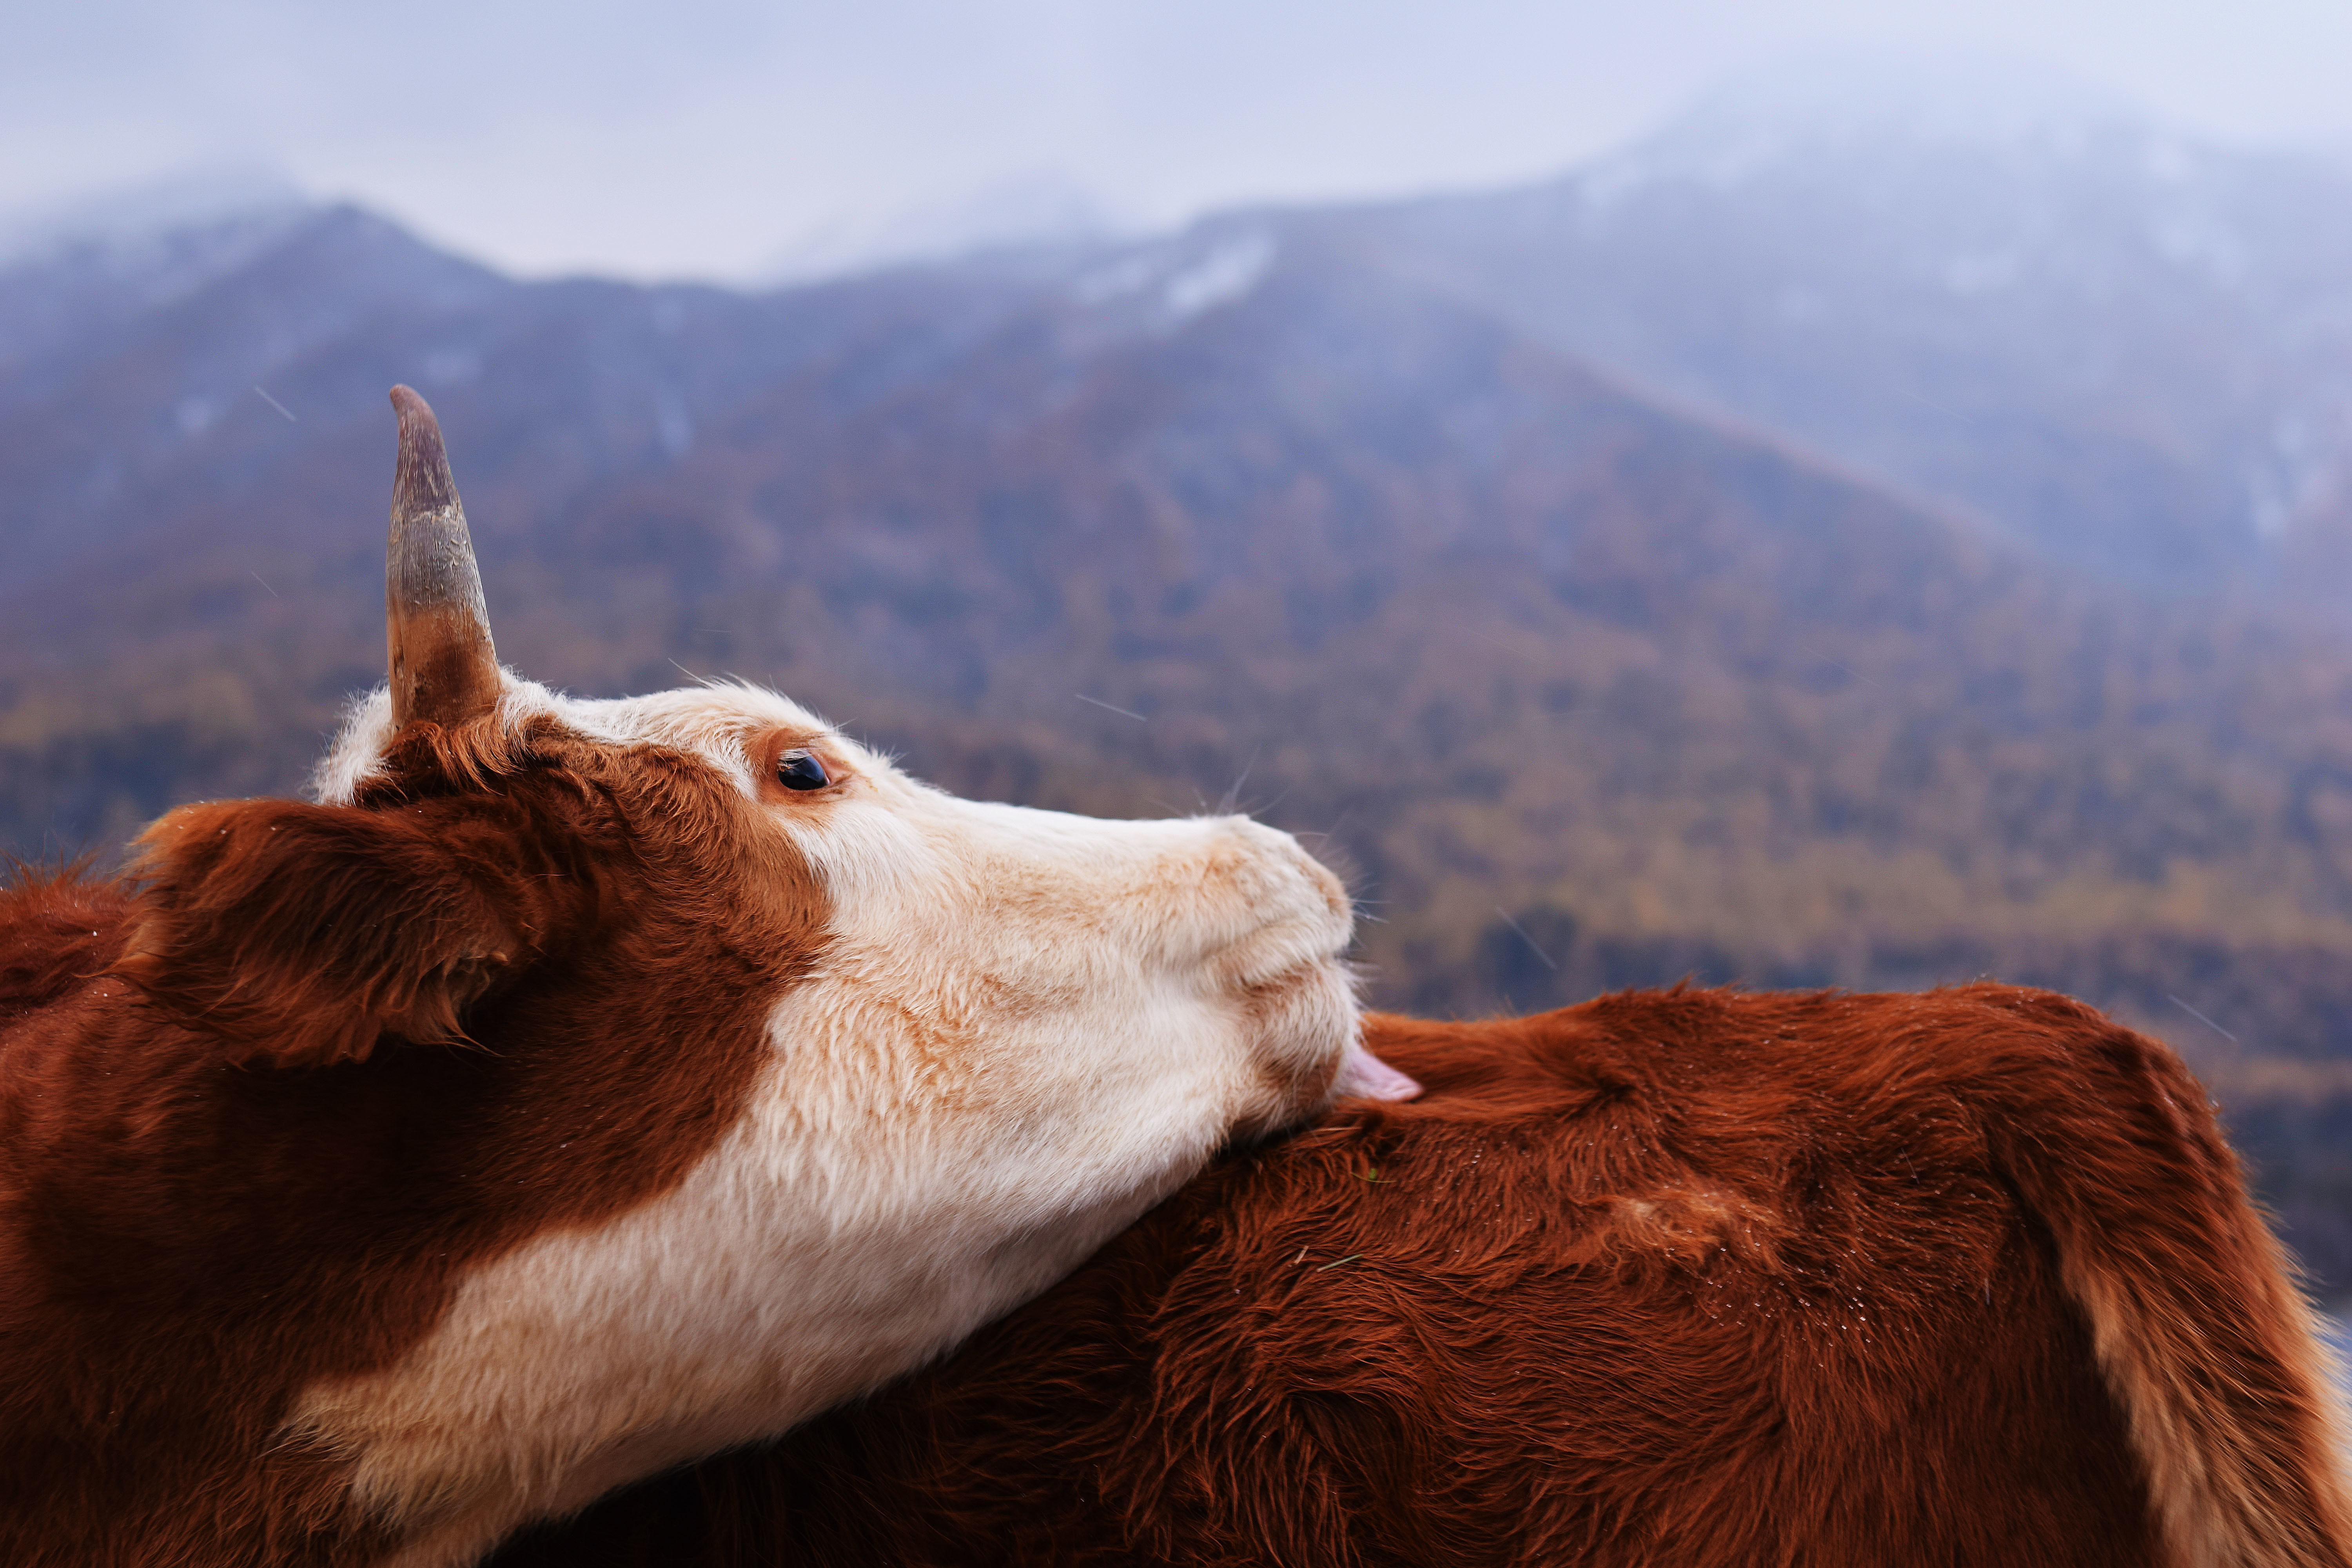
(712, 137)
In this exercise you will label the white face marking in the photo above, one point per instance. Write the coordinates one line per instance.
(1026, 1029)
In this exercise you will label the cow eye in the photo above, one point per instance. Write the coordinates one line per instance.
(799, 770)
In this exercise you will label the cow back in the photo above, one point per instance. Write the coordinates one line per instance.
(1689, 1277)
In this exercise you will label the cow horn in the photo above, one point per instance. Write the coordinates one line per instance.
(437, 628)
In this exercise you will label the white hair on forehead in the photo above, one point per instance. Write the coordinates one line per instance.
(356, 751)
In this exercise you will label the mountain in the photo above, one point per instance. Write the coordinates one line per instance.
(2123, 347)
(1031, 211)
(1583, 683)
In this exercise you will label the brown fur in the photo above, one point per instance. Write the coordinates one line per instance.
(1690, 1279)
(256, 1121)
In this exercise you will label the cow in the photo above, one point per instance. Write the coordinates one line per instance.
(1681, 1278)
(574, 1087)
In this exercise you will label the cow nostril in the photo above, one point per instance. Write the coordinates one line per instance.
(1321, 878)
(1335, 891)
(1281, 878)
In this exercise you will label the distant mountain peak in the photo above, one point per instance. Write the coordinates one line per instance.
(1037, 209)
(1870, 100)
(133, 216)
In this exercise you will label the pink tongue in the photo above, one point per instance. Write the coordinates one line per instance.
(1363, 1076)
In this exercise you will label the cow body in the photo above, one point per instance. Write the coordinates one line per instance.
(1681, 1279)
(576, 1087)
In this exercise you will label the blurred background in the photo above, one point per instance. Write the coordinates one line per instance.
(1783, 490)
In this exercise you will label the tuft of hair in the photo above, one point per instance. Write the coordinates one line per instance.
(59, 926)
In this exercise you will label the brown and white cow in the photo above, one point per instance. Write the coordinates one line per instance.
(1671, 1279)
(576, 1087)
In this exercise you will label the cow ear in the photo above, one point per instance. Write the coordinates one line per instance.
(302, 935)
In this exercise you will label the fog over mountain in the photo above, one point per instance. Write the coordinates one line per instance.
(2126, 349)
(1860, 549)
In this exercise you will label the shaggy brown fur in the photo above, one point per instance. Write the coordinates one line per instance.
(228, 1171)
(1684, 1280)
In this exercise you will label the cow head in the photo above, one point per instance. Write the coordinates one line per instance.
(740, 1071)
